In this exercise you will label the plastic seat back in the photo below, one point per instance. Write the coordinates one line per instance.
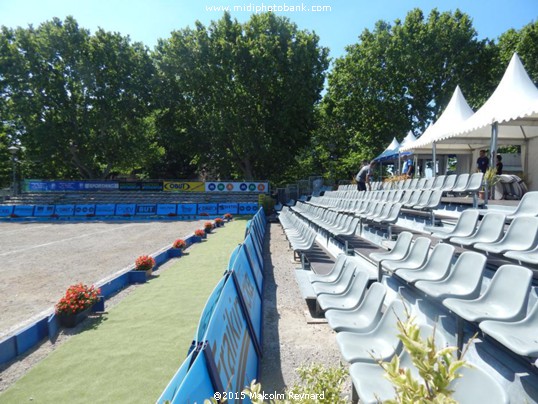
(414, 198)
(461, 183)
(522, 234)
(489, 230)
(475, 182)
(421, 184)
(393, 215)
(450, 181)
(466, 224)
(509, 289)
(476, 386)
(528, 206)
(435, 199)
(423, 199)
(400, 249)
(439, 182)
(464, 279)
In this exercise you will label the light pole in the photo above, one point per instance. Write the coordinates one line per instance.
(13, 150)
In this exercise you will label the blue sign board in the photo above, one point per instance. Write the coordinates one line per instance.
(24, 210)
(228, 336)
(43, 210)
(248, 208)
(186, 209)
(124, 209)
(6, 210)
(209, 307)
(84, 210)
(64, 210)
(107, 209)
(166, 209)
(227, 208)
(146, 209)
(209, 208)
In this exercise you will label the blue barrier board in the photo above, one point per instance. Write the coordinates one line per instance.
(6, 210)
(43, 210)
(107, 209)
(209, 208)
(84, 209)
(186, 209)
(166, 209)
(125, 209)
(228, 208)
(248, 208)
(146, 209)
(64, 210)
(24, 210)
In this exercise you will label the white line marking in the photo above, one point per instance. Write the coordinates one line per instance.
(69, 239)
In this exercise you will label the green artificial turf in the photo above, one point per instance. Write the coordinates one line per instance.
(130, 354)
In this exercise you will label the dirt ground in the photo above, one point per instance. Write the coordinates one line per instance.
(40, 260)
(90, 252)
(289, 340)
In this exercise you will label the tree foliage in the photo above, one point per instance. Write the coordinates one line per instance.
(525, 43)
(240, 97)
(397, 78)
(79, 103)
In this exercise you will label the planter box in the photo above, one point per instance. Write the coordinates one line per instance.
(72, 320)
(139, 276)
(175, 252)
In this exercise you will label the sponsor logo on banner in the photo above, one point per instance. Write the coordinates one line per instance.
(101, 186)
(230, 341)
(125, 209)
(166, 209)
(43, 210)
(107, 209)
(83, 210)
(146, 209)
(24, 210)
(184, 186)
(236, 187)
(186, 209)
(6, 210)
(247, 208)
(228, 208)
(209, 208)
(65, 210)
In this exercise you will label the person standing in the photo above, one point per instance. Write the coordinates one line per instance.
(482, 163)
(361, 176)
(499, 165)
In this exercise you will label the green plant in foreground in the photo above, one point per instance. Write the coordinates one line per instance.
(436, 368)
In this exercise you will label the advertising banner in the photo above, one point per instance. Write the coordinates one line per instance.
(196, 386)
(247, 208)
(166, 209)
(227, 208)
(24, 210)
(68, 186)
(209, 307)
(64, 210)
(209, 208)
(43, 210)
(146, 209)
(174, 384)
(141, 186)
(260, 187)
(125, 209)
(6, 210)
(106, 209)
(85, 209)
(186, 209)
(255, 260)
(228, 336)
(184, 186)
(249, 291)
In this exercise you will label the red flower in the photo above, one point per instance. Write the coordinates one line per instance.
(228, 216)
(199, 233)
(219, 221)
(144, 263)
(179, 243)
(208, 225)
(77, 298)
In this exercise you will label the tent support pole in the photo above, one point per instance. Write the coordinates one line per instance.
(434, 158)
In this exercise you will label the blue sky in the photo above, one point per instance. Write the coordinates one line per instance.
(146, 21)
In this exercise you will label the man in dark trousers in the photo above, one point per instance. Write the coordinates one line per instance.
(482, 163)
(364, 176)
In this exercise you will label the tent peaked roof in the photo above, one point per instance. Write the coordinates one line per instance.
(514, 102)
(390, 151)
(455, 113)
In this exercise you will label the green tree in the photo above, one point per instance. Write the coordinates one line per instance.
(239, 98)
(397, 78)
(525, 43)
(79, 102)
